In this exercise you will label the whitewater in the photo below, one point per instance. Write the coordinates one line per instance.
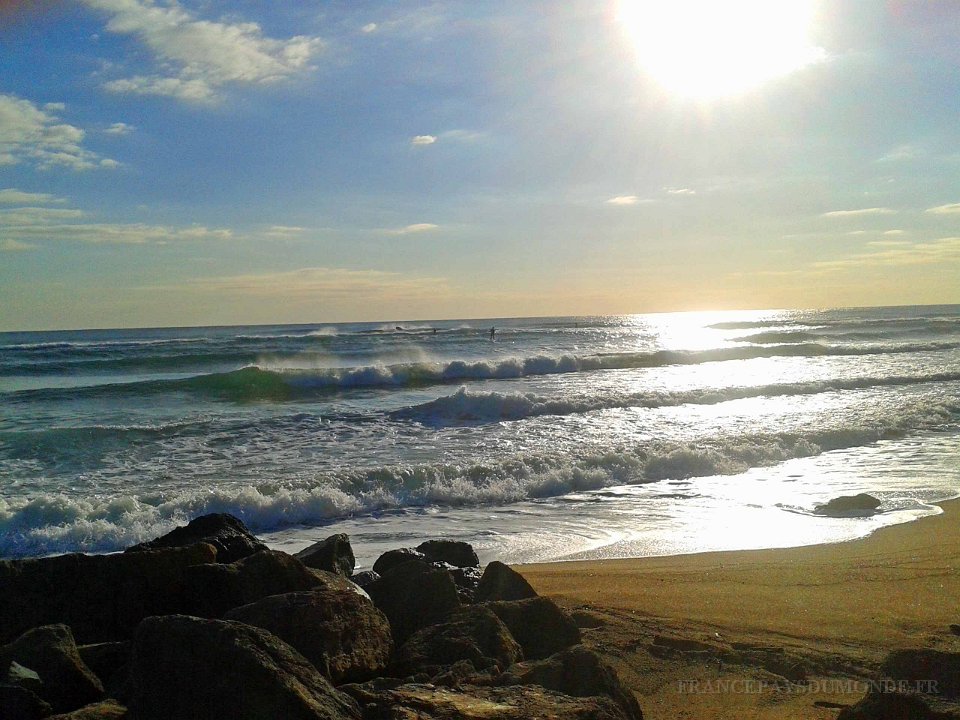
(556, 438)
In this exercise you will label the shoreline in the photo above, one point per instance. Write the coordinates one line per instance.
(894, 585)
(831, 613)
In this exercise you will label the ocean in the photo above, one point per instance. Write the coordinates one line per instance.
(557, 438)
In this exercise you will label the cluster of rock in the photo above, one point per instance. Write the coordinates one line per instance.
(206, 622)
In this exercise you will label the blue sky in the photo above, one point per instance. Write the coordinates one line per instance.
(240, 162)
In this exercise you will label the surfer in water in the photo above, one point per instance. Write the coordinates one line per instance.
(493, 332)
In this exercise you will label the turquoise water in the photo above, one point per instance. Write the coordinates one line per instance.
(558, 437)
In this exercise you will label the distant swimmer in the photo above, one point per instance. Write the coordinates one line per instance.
(493, 332)
(399, 328)
(434, 331)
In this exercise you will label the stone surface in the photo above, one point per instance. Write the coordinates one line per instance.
(333, 555)
(877, 705)
(220, 587)
(848, 504)
(227, 534)
(106, 710)
(101, 597)
(454, 552)
(108, 661)
(50, 651)
(19, 703)
(474, 634)
(576, 671)
(924, 670)
(187, 668)
(540, 626)
(339, 631)
(500, 582)
(414, 595)
(365, 578)
(429, 702)
(394, 558)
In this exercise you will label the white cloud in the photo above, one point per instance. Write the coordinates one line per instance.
(26, 225)
(934, 252)
(29, 134)
(9, 245)
(623, 200)
(951, 209)
(119, 128)
(329, 283)
(894, 232)
(423, 140)
(369, 28)
(415, 228)
(858, 213)
(680, 191)
(12, 196)
(197, 58)
(284, 231)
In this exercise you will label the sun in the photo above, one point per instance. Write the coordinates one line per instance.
(713, 48)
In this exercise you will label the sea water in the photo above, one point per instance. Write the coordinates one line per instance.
(549, 438)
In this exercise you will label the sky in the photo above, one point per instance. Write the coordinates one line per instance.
(238, 162)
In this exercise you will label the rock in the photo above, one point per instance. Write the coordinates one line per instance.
(19, 703)
(540, 626)
(393, 558)
(879, 705)
(106, 710)
(108, 661)
(365, 579)
(413, 595)
(51, 652)
(339, 631)
(474, 634)
(848, 505)
(333, 555)
(17, 674)
(429, 702)
(226, 533)
(576, 671)
(187, 668)
(466, 579)
(455, 552)
(101, 597)
(933, 672)
(500, 582)
(221, 587)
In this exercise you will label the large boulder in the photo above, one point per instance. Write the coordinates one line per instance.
(20, 703)
(220, 587)
(101, 597)
(924, 670)
(364, 579)
(393, 558)
(225, 532)
(50, 651)
(473, 634)
(106, 710)
(108, 661)
(540, 626)
(845, 505)
(576, 671)
(454, 552)
(340, 631)
(332, 555)
(188, 668)
(429, 702)
(413, 595)
(500, 582)
(881, 704)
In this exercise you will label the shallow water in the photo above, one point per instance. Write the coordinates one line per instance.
(564, 437)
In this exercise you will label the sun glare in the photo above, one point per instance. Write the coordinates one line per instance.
(712, 48)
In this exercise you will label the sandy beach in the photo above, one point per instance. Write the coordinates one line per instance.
(705, 635)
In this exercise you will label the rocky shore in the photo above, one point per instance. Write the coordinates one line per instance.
(206, 622)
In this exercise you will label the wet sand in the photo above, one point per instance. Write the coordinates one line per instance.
(833, 611)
